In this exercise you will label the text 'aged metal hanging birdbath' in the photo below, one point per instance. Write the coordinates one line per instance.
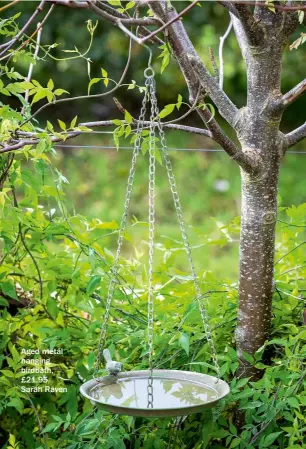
(153, 393)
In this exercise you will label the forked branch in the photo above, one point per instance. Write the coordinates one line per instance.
(289, 98)
(8, 45)
(296, 136)
(188, 58)
(225, 106)
(253, 29)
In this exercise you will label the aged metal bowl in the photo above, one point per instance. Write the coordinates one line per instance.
(175, 393)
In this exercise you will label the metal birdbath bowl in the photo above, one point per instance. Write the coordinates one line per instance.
(175, 393)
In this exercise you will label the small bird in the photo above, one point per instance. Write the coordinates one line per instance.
(112, 367)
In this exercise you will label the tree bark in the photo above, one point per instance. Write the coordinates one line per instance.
(258, 219)
(259, 137)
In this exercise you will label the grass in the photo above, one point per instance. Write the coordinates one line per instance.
(209, 187)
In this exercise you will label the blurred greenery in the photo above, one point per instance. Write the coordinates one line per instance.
(208, 182)
(57, 268)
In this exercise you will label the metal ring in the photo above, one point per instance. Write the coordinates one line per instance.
(149, 72)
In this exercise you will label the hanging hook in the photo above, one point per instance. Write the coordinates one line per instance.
(149, 72)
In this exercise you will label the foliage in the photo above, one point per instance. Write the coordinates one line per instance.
(54, 274)
(42, 242)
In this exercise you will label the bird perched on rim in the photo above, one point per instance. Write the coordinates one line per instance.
(112, 367)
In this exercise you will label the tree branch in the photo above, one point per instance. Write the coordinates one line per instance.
(225, 106)
(277, 6)
(289, 98)
(174, 19)
(253, 30)
(295, 136)
(9, 44)
(234, 152)
(28, 79)
(31, 138)
(221, 61)
(183, 50)
(123, 20)
(229, 6)
(111, 14)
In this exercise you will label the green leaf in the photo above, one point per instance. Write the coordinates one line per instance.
(293, 402)
(62, 125)
(3, 302)
(248, 357)
(104, 73)
(130, 5)
(179, 101)
(118, 122)
(235, 442)
(184, 342)
(269, 439)
(207, 365)
(233, 429)
(60, 92)
(8, 289)
(39, 96)
(301, 335)
(92, 82)
(7, 373)
(52, 307)
(50, 84)
(165, 55)
(14, 352)
(12, 439)
(127, 117)
(49, 427)
(167, 110)
(93, 284)
(17, 404)
(87, 427)
(73, 122)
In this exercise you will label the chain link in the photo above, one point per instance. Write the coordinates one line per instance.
(152, 142)
(128, 193)
(179, 212)
(155, 123)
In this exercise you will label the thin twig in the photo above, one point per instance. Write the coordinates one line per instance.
(39, 422)
(221, 61)
(123, 21)
(82, 97)
(3, 8)
(28, 79)
(26, 246)
(170, 22)
(10, 55)
(9, 44)
(291, 251)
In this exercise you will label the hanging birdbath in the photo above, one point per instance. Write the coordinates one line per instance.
(153, 393)
(175, 393)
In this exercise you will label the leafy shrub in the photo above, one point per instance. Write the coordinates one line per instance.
(54, 275)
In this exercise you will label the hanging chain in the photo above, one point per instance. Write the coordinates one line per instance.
(154, 123)
(128, 193)
(178, 208)
(151, 82)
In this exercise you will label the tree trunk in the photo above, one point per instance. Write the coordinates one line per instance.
(258, 219)
(259, 136)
